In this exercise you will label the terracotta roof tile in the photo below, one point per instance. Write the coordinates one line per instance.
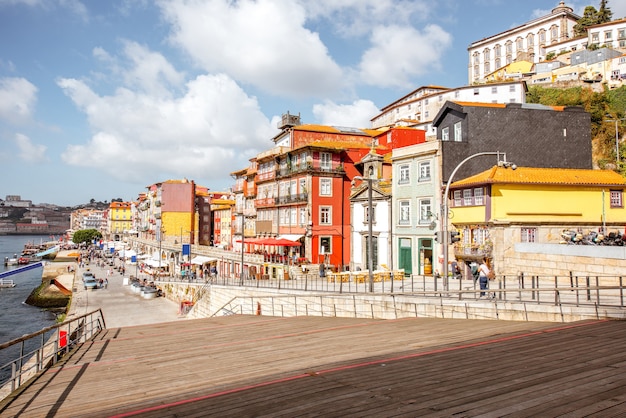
(554, 176)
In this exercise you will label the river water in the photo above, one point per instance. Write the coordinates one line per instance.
(16, 317)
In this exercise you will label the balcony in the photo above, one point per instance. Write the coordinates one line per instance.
(264, 203)
(293, 198)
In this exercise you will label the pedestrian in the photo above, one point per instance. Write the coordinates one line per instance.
(106, 283)
(213, 271)
(322, 270)
(483, 276)
(455, 269)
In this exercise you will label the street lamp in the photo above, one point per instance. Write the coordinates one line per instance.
(243, 234)
(370, 242)
(616, 120)
(444, 224)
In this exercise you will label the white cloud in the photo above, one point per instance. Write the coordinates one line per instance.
(142, 69)
(401, 52)
(18, 97)
(263, 43)
(358, 17)
(358, 114)
(210, 131)
(29, 152)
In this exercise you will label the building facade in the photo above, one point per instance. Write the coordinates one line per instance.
(525, 42)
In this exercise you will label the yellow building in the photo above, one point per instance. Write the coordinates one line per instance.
(500, 207)
(120, 219)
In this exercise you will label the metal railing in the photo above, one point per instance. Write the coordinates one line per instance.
(33, 353)
(559, 290)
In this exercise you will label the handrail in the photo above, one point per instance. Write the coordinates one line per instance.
(32, 355)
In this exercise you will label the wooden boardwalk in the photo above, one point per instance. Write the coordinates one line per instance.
(248, 366)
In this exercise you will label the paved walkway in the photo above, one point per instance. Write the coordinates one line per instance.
(120, 306)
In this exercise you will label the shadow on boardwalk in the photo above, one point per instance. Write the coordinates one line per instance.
(306, 366)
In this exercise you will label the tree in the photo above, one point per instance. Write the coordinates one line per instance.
(591, 16)
(86, 236)
(604, 14)
(588, 19)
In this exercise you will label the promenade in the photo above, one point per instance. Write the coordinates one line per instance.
(149, 362)
(120, 306)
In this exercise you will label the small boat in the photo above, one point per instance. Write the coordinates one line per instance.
(23, 260)
(7, 283)
(11, 261)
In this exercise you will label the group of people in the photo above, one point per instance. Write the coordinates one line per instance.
(481, 273)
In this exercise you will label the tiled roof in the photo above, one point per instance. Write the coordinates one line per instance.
(552, 176)
(504, 105)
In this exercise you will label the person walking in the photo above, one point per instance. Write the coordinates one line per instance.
(483, 277)
(106, 282)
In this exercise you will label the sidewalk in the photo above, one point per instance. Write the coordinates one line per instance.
(120, 306)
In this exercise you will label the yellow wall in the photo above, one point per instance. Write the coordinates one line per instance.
(536, 204)
(175, 222)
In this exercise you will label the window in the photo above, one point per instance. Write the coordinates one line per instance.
(303, 216)
(542, 36)
(554, 33)
(595, 37)
(404, 217)
(608, 35)
(621, 33)
(530, 40)
(494, 90)
(509, 47)
(519, 44)
(404, 174)
(476, 92)
(325, 213)
(467, 197)
(457, 198)
(486, 55)
(497, 50)
(326, 160)
(445, 134)
(458, 133)
(425, 102)
(325, 245)
(616, 199)
(498, 63)
(424, 171)
(302, 186)
(512, 88)
(528, 234)
(326, 187)
(366, 218)
(478, 197)
(425, 210)
(487, 67)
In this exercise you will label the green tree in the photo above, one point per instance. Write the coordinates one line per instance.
(604, 14)
(591, 16)
(86, 236)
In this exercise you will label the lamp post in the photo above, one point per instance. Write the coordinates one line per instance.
(243, 234)
(616, 120)
(444, 224)
(370, 232)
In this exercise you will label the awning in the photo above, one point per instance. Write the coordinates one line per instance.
(127, 253)
(290, 237)
(200, 259)
(154, 263)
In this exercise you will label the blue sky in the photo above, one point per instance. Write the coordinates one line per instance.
(99, 99)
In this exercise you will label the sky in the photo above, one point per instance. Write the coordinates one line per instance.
(101, 99)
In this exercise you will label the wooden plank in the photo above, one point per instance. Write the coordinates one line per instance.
(246, 365)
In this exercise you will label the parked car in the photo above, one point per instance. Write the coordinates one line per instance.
(87, 275)
(90, 283)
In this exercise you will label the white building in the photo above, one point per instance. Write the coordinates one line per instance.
(418, 108)
(416, 203)
(610, 34)
(525, 42)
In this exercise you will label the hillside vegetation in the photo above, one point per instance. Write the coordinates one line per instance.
(603, 106)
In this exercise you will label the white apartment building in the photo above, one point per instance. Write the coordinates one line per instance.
(525, 42)
(418, 108)
(610, 34)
